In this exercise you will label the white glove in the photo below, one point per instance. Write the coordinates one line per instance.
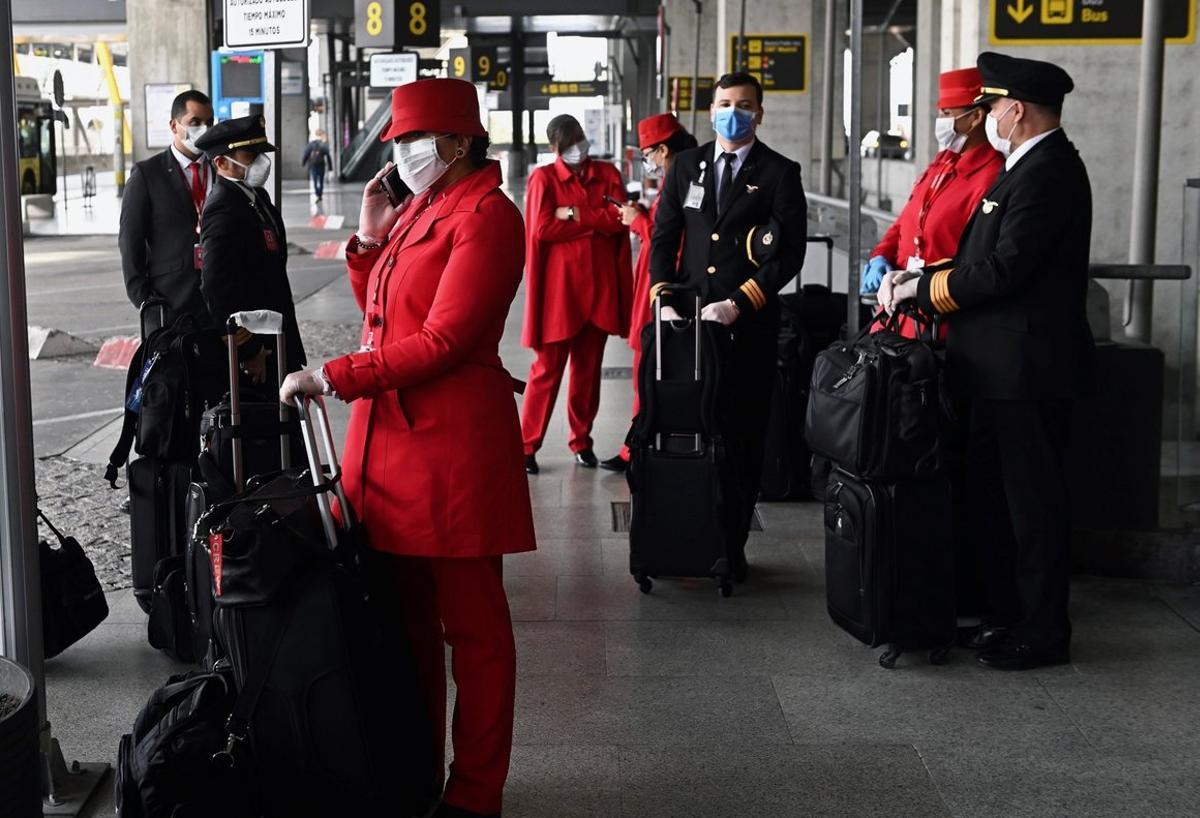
(723, 312)
(885, 290)
(669, 314)
(377, 217)
(304, 382)
(903, 291)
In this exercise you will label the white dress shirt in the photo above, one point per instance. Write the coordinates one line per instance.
(719, 164)
(1026, 147)
(185, 164)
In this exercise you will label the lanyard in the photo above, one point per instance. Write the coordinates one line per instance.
(946, 170)
(388, 262)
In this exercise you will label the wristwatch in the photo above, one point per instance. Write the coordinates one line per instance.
(571, 213)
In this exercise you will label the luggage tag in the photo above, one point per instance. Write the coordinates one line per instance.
(271, 242)
(216, 555)
(695, 194)
(134, 402)
(915, 264)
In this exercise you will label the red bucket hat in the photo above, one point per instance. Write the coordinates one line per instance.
(654, 130)
(959, 89)
(436, 106)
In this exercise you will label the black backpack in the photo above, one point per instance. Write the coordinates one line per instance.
(163, 403)
(173, 764)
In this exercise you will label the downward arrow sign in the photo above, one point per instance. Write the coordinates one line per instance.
(1020, 12)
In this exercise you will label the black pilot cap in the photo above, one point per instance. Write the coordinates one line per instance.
(1035, 81)
(762, 242)
(244, 133)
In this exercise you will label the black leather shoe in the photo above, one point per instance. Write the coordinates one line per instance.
(1015, 655)
(531, 465)
(982, 637)
(587, 459)
(615, 463)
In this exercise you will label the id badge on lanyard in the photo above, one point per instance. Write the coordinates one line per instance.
(695, 195)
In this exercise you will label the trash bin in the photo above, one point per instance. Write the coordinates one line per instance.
(20, 778)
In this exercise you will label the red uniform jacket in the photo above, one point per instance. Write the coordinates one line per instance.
(576, 271)
(643, 228)
(433, 453)
(967, 177)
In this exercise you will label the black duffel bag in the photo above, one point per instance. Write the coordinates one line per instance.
(73, 602)
(875, 406)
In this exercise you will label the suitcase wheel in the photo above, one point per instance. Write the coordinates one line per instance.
(889, 657)
(644, 583)
(726, 588)
(939, 656)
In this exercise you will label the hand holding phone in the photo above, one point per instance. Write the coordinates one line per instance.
(394, 188)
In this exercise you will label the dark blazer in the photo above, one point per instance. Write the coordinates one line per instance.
(241, 272)
(1017, 295)
(158, 236)
(714, 259)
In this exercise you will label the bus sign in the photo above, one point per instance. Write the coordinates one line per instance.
(1085, 22)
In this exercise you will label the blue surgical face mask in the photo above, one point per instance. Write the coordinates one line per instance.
(733, 124)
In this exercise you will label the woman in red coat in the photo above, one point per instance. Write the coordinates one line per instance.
(432, 456)
(578, 285)
(660, 138)
(947, 193)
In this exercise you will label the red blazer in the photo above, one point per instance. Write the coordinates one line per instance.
(643, 228)
(433, 453)
(576, 271)
(969, 176)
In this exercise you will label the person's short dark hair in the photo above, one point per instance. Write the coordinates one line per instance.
(180, 105)
(478, 153)
(738, 78)
(563, 131)
(680, 141)
(1046, 109)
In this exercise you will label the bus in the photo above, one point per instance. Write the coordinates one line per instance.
(36, 140)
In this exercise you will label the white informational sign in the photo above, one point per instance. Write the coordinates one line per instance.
(159, 97)
(392, 70)
(266, 23)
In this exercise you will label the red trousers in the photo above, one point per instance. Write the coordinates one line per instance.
(461, 602)
(637, 397)
(586, 354)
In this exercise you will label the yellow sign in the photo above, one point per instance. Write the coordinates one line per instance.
(1084, 22)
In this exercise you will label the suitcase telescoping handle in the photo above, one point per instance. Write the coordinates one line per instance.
(827, 240)
(308, 408)
(154, 302)
(658, 322)
(259, 322)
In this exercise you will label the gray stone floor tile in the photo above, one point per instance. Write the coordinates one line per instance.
(530, 598)
(123, 608)
(557, 557)
(573, 522)
(1184, 600)
(548, 648)
(589, 710)
(616, 597)
(545, 490)
(563, 782)
(778, 782)
(598, 488)
(919, 702)
(1063, 779)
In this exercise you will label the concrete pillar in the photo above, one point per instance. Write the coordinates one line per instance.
(295, 133)
(789, 120)
(925, 79)
(166, 48)
(681, 53)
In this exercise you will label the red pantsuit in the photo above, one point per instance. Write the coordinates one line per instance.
(643, 228)
(578, 291)
(938, 210)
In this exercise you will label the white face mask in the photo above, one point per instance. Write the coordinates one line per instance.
(992, 125)
(949, 139)
(419, 163)
(257, 171)
(194, 132)
(577, 153)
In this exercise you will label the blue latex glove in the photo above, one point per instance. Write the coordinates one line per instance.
(872, 275)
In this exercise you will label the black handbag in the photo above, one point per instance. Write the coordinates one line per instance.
(875, 406)
(73, 602)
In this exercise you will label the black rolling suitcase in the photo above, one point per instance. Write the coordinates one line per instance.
(340, 727)
(679, 476)
(811, 319)
(889, 563)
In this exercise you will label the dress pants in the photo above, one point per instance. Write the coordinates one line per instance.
(1019, 503)
(460, 602)
(749, 382)
(586, 354)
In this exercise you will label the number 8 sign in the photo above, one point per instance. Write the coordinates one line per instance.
(395, 23)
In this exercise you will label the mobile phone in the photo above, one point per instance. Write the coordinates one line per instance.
(394, 188)
(613, 201)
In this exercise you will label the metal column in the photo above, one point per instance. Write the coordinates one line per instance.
(827, 103)
(696, 62)
(516, 158)
(854, 249)
(1139, 311)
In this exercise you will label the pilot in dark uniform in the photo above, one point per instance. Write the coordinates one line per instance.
(712, 198)
(1018, 351)
(244, 243)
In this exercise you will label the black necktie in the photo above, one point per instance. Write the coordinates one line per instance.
(726, 182)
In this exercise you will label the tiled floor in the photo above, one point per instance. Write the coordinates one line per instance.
(681, 703)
